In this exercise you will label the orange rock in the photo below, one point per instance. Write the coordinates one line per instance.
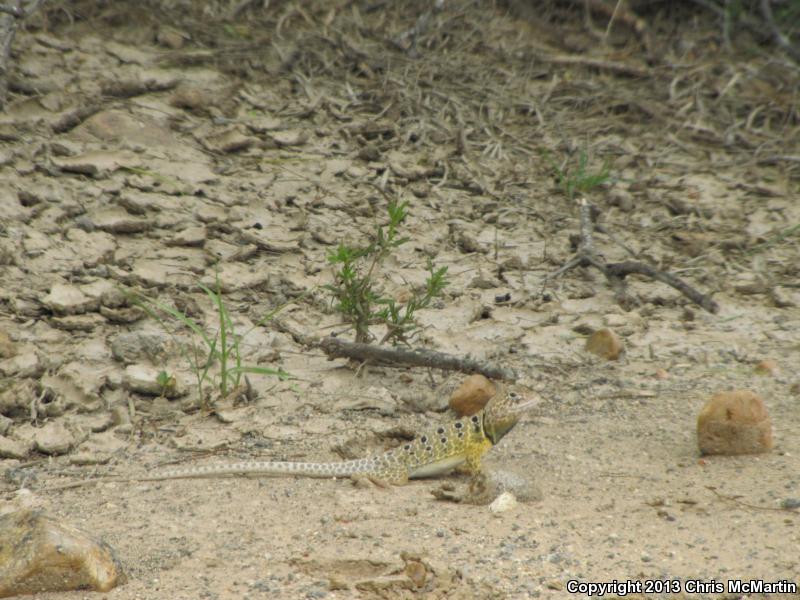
(605, 344)
(734, 422)
(768, 367)
(472, 395)
(661, 374)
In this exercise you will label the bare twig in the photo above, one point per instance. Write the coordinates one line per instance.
(401, 357)
(615, 273)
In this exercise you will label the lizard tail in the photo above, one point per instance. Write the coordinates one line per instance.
(265, 469)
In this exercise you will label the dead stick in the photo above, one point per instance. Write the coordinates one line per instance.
(616, 272)
(621, 270)
(401, 357)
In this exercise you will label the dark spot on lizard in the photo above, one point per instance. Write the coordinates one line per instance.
(429, 448)
(407, 447)
(458, 425)
(443, 440)
(424, 439)
(440, 431)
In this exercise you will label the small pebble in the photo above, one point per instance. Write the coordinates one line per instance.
(503, 503)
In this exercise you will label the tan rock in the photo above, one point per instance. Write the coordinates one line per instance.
(26, 364)
(66, 299)
(13, 448)
(661, 374)
(99, 164)
(605, 344)
(735, 422)
(472, 395)
(144, 379)
(116, 220)
(40, 555)
(54, 438)
(191, 97)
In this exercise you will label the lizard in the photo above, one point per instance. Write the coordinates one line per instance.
(463, 441)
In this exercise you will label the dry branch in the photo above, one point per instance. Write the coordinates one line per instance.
(401, 357)
(615, 273)
(394, 357)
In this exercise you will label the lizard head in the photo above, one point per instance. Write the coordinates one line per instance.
(502, 412)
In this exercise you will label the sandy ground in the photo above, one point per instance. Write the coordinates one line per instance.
(146, 158)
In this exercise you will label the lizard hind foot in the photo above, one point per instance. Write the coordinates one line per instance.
(369, 481)
(382, 481)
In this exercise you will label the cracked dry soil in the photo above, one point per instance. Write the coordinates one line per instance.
(153, 151)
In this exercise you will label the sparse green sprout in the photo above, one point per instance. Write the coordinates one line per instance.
(577, 179)
(207, 349)
(166, 382)
(355, 290)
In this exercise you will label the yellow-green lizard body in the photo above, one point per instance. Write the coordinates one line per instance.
(461, 442)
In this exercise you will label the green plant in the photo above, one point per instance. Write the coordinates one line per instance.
(355, 291)
(166, 382)
(221, 347)
(577, 179)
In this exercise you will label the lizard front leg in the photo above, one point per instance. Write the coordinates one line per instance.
(472, 464)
